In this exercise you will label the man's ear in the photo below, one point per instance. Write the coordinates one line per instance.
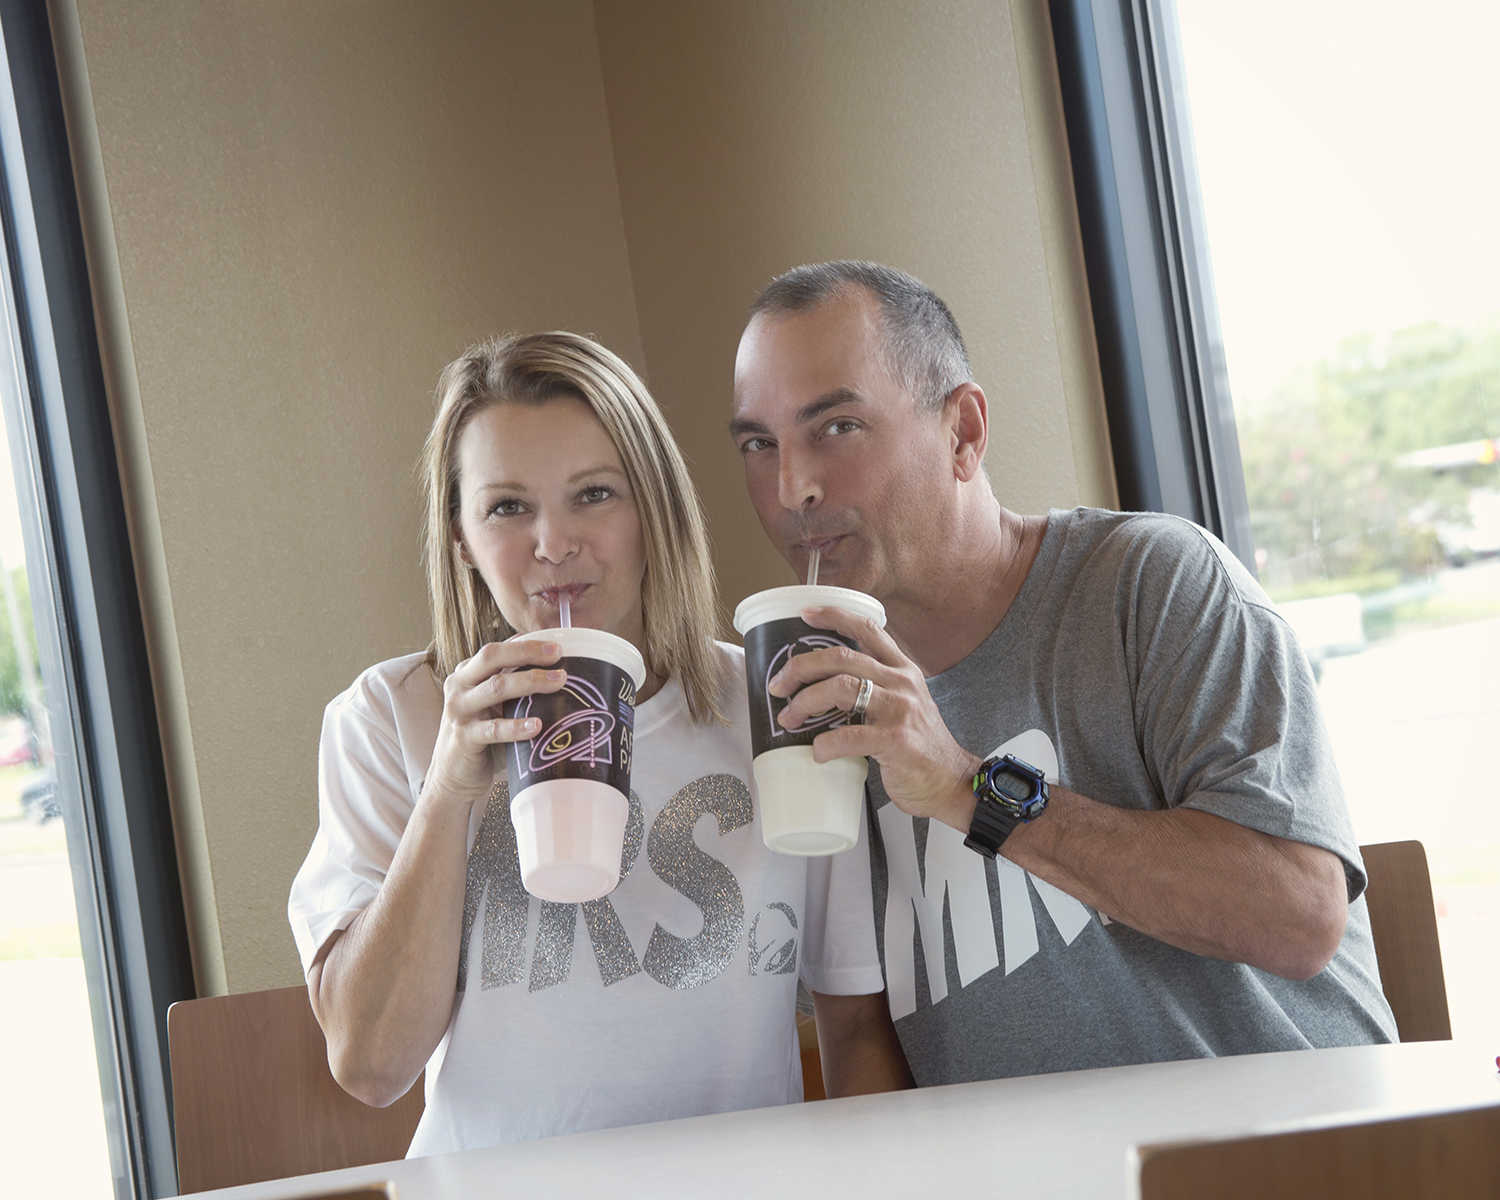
(966, 413)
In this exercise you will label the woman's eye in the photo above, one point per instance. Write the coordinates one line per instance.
(506, 508)
(597, 494)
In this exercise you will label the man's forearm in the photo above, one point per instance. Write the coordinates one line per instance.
(1188, 878)
(857, 1046)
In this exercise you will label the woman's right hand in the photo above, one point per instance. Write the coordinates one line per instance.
(462, 766)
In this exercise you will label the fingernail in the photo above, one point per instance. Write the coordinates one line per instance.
(532, 724)
(774, 684)
(556, 676)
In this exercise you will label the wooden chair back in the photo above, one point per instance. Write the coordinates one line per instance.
(1433, 1156)
(253, 1097)
(812, 1063)
(1404, 926)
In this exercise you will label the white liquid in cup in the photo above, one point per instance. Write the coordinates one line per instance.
(570, 832)
(806, 807)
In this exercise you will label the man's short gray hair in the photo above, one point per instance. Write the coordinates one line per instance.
(923, 348)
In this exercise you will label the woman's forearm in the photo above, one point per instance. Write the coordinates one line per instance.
(383, 990)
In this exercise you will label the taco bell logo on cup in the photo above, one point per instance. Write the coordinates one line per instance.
(570, 784)
(779, 641)
(583, 730)
(806, 807)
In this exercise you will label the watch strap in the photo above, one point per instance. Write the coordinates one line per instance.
(991, 825)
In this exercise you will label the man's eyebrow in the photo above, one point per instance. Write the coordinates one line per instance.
(740, 425)
(808, 412)
(841, 395)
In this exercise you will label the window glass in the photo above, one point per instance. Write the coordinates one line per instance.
(51, 1108)
(1349, 184)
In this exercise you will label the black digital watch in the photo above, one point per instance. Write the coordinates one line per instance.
(1007, 792)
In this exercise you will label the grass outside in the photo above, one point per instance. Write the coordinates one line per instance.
(1464, 865)
(37, 915)
(56, 940)
(12, 780)
(1367, 584)
(1437, 611)
(1393, 608)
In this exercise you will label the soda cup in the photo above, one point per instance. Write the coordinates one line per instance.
(806, 807)
(570, 784)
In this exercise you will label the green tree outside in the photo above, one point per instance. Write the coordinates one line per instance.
(12, 694)
(1330, 505)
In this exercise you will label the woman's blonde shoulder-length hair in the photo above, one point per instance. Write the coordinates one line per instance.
(678, 597)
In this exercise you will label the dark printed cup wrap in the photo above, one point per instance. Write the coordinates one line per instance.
(767, 648)
(587, 728)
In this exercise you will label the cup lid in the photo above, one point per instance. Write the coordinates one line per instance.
(582, 642)
(778, 603)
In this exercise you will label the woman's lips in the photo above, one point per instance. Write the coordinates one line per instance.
(552, 596)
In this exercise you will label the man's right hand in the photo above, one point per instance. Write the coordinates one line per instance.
(924, 770)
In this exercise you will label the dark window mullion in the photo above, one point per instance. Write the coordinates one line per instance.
(1221, 473)
(101, 661)
(1157, 328)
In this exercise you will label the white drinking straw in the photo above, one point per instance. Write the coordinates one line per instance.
(565, 611)
(812, 566)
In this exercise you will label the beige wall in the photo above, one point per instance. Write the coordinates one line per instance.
(750, 137)
(312, 207)
(296, 213)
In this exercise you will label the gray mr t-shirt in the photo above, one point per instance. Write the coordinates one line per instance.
(1141, 666)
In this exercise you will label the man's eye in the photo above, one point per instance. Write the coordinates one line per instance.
(840, 425)
(754, 445)
(597, 494)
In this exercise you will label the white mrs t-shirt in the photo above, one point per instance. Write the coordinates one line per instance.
(671, 997)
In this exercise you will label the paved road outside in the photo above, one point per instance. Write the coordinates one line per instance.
(51, 1113)
(1415, 723)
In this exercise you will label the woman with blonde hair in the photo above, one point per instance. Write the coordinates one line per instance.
(550, 475)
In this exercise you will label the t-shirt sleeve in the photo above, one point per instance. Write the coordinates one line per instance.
(364, 803)
(1227, 709)
(839, 957)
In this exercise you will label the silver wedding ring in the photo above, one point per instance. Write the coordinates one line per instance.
(861, 702)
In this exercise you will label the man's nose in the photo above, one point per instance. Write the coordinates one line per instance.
(798, 486)
(556, 539)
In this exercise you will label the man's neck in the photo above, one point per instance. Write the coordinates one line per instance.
(969, 592)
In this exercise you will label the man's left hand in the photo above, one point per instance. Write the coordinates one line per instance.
(925, 772)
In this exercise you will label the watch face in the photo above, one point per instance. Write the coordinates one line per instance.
(1012, 786)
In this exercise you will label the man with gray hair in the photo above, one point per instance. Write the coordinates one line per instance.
(1105, 823)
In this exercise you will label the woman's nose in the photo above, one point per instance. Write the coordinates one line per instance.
(556, 539)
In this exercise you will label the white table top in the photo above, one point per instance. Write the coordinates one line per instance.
(1065, 1134)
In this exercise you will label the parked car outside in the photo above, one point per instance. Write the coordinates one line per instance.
(39, 801)
(18, 743)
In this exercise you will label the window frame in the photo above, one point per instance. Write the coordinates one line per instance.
(1161, 352)
(110, 769)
